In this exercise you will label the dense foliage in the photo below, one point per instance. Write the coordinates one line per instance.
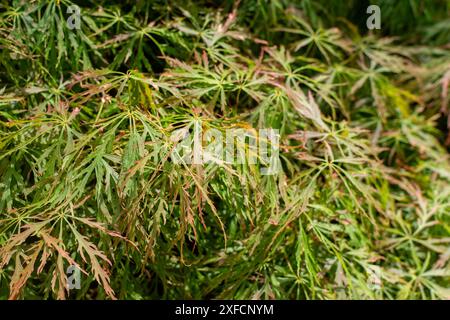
(360, 209)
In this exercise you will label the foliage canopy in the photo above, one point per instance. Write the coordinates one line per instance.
(359, 211)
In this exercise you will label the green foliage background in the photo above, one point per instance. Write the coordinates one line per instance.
(359, 211)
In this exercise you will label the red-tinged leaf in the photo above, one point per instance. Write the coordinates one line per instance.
(54, 243)
(15, 241)
(21, 275)
(60, 276)
(100, 274)
(99, 226)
